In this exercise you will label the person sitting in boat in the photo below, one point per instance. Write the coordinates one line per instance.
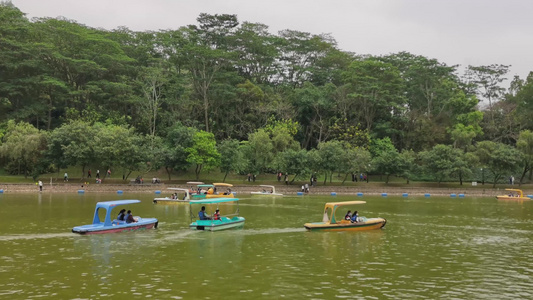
(216, 216)
(129, 218)
(210, 191)
(121, 216)
(348, 215)
(202, 215)
(355, 217)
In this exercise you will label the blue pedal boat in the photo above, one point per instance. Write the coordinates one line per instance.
(225, 221)
(110, 225)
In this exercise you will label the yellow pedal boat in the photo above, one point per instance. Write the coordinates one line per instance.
(514, 194)
(332, 223)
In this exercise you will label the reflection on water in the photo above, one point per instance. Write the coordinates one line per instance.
(430, 248)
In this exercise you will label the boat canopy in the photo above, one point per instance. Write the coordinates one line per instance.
(205, 185)
(515, 190)
(334, 205)
(108, 206)
(178, 189)
(223, 184)
(214, 200)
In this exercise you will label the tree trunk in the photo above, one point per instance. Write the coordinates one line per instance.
(225, 175)
(345, 176)
(386, 179)
(168, 172)
(526, 168)
(206, 111)
(198, 170)
(128, 175)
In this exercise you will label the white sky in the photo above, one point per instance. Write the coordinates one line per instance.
(464, 32)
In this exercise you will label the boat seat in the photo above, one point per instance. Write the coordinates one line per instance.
(225, 219)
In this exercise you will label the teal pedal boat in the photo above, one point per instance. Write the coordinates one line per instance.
(110, 225)
(215, 221)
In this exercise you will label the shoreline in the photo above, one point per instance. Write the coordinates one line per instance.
(246, 189)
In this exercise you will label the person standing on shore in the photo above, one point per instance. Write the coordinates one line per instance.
(89, 174)
(98, 174)
(65, 177)
(40, 186)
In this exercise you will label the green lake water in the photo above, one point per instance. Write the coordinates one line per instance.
(431, 248)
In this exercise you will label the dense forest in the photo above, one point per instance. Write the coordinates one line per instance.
(230, 95)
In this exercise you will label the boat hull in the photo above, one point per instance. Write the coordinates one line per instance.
(511, 198)
(168, 201)
(217, 225)
(370, 224)
(211, 196)
(265, 194)
(142, 224)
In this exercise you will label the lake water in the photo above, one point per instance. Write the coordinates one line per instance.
(456, 248)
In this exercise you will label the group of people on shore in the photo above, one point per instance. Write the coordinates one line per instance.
(126, 216)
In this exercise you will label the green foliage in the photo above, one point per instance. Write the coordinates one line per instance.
(74, 144)
(231, 157)
(354, 161)
(203, 152)
(379, 146)
(498, 158)
(258, 151)
(328, 158)
(294, 162)
(22, 145)
(386, 159)
(137, 100)
(441, 161)
(288, 126)
(351, 134)
(525, 146)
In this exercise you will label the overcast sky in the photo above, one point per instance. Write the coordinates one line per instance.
(464, 32)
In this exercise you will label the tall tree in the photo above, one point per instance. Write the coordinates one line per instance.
(203, 152)
(498, 158)
(525, 146)
(487, 79)
(231, 157)
(22, 146)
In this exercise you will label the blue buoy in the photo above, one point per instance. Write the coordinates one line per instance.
(300, 193)
(453, 195)
(1, 191)
(461, 195)
(530, 196)
(427, 195)
(158, 192)
(120, 192)
(81, 191)
(405, 194)
(384, 194)
(333, 194)
(360, 194)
